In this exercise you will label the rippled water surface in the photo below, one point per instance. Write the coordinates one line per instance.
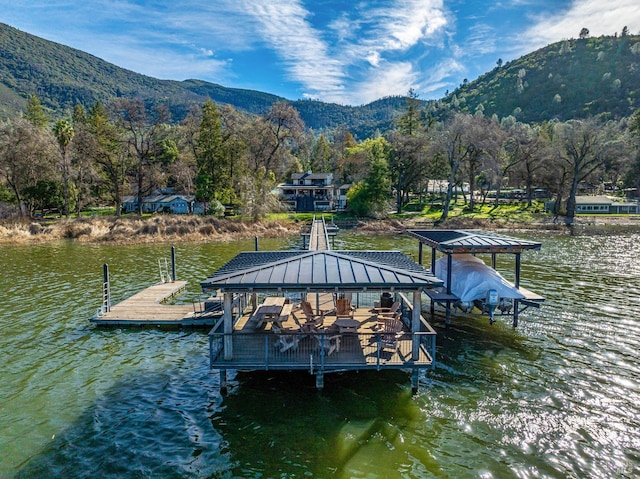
(557, 397)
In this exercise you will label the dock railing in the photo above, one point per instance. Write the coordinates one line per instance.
(265, 351)
(362, 350)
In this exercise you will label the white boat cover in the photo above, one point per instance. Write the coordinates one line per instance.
(471, 278)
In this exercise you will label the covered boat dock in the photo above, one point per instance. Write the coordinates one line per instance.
(265, 325)
(474, 242)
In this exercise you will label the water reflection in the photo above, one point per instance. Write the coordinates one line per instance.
(557, 397)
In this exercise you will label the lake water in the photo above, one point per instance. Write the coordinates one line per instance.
(557, 397)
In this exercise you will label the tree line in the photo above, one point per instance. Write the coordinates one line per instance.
(223, 156)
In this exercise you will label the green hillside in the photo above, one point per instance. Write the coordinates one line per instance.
(62, 77)
(568, 79)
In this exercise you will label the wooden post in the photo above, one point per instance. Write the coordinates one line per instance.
(256, 244)
(173, 264)
(420, 252)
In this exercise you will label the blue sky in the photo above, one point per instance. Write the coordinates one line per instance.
(349, 52)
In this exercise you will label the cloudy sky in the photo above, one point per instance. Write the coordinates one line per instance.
(349, 52)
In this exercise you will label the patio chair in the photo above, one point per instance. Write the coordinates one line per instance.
(344, 308)
(391, 333)
(310, 315)
(383, 319)
(329, 343)
(387, 311)
(287, 338)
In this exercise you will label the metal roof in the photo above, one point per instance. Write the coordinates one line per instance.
(320, 271)
(472, 241)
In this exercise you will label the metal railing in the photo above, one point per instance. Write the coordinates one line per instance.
(320, 352)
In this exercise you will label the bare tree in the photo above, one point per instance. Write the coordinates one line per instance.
(26, 154)
(585, 145)
(451, 142)
(143, 137)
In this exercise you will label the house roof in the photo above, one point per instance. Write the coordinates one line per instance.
(593, 200)
(460, 241)
(320, 271)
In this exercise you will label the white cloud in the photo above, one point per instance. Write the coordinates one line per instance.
(283, 25)
(390, 79)
(599, 18)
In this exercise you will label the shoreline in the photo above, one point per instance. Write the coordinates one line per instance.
(196, 229)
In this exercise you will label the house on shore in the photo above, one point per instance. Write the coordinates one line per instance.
(604, 205)
(161, 203)
(312, 192)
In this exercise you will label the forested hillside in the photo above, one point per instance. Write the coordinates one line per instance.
(569, 79)
(62, 77)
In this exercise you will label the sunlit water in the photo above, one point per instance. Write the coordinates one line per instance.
(557, 397)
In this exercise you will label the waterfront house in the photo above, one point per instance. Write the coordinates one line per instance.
(308, 192)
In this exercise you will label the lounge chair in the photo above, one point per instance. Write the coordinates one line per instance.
(310, 315)
(383, 319)
(387, 311)
(391, 333)
(287, 338)
(344, 308)
(328, 342)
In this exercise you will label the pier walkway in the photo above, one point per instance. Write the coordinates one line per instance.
(319, 238)
(146, 308)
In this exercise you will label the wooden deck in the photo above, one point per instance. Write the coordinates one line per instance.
(146, 308)
(255, 347)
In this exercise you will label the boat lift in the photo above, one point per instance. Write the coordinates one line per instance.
(452, 242)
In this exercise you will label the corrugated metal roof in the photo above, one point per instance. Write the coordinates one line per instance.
(460, 241)
(320, 270)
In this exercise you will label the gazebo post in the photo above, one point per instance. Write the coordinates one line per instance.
(447, 317)
(228, 327)
(517, 285)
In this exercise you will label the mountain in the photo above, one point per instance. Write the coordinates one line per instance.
(62, 77)
(569, 79)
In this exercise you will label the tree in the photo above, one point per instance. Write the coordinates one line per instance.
(44, 195)
(451, 143)
(322, 155)
(585, 145)
(409, 149)
(104, 144)
(144, 141)
(212, 181)
(526, 149)
(25, 156)
(370, 197)
(584, 33)
(63, 132)
(35, 113)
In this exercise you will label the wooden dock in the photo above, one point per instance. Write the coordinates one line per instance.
(146, 308)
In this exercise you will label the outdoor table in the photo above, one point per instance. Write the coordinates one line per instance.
(272, 309)
(347, 325)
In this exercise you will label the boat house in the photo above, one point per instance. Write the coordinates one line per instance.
(321, 311)
(459, 242)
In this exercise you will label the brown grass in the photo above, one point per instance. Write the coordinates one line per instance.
(166, 228)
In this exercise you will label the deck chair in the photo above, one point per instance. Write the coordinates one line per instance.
(328, 342)
(287, 338)
(383, 319)
(384, 314)
(310, 315)
(344, 308)
(391, 333)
